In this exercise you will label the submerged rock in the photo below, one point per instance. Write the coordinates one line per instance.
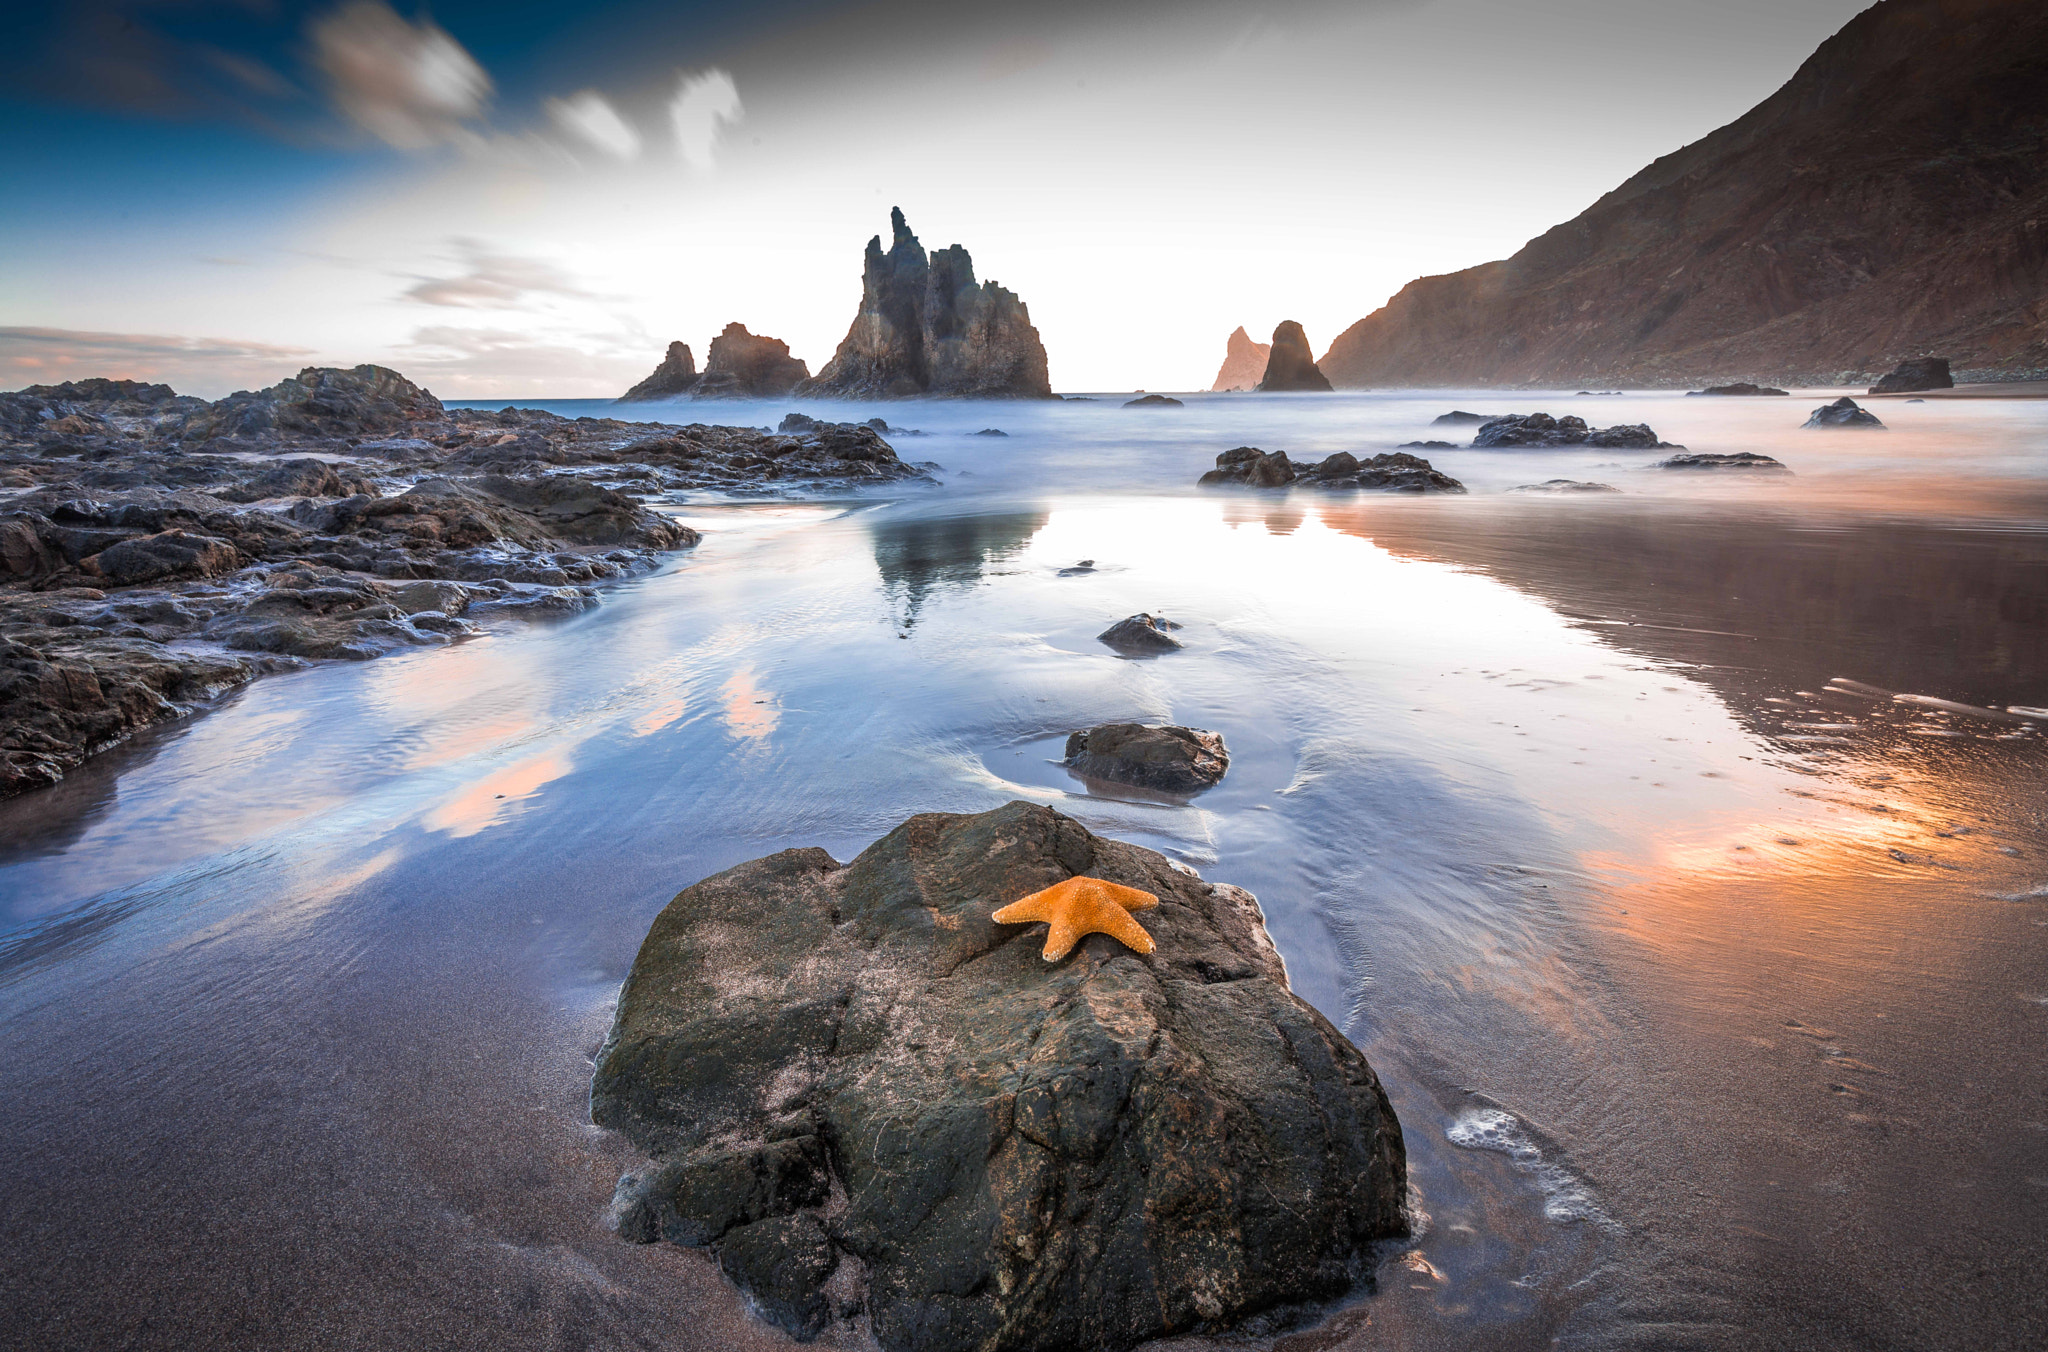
(1428, 446)
(990, 432)
(1564, 486)
(1291, 364)
(1844, 412)
(1457, 417)
(1154, 401)
(1921, 373)
(1540, 429)
(925, 327)
(743, 365)
(1395, 472)
(1740, 389)
(1037, 1157)
(676, 375)
(1142, 633)
(1165, 758)
(1739, 460)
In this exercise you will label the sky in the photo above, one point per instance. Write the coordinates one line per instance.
(523, 199)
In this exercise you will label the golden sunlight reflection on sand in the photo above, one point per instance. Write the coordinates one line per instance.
(749, 712)
(490, 798)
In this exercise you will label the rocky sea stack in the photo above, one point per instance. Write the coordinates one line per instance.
(1291, 365)
(742, 365)
(927, 328)
(676, 375)
(1244, 362)
(871, 1096)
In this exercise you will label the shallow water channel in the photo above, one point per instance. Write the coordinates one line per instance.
(1712, 1002)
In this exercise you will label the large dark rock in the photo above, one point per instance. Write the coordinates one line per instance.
(1396, 472)
(1844, 412)
(1168, 759)
(321, 401)
(1540, 429)
(676, 375)
(1921, 373)
(1291, 365)
(1244, 362)
(1740, 389)
(742, 365)
(1890, 199)
(1027, 1156)
(926, 327)
(1142, 633)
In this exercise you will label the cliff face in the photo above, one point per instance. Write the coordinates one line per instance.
(1891, 200)
(742, 365)
(1244, 362)
(1291, 364)
(926, 327)
(676, 374)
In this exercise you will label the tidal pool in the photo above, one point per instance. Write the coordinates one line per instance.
(1711, 999)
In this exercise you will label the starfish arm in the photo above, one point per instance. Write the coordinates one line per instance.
(1127, 932)
(1022, 911)
(1131, 898)
(1060, 937)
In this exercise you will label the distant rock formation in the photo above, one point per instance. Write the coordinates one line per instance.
(1741, 389)
(1154, 401)
(1891, 199)
(1921, 373)
(743, 365)
(1244, 362)
(1291, 365)
(927, 328)
(676, 374)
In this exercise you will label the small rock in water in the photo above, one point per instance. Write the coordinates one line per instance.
(1166, 758)
(1844, 412)
(1540, 429)
(1740, 388)
(1395, 471)
(1739, 460)
(1155, 401)
(991, 432)
(1075, 570)
(1427, 446)
(1564, 486)
(1457, 417)
(1141, 633)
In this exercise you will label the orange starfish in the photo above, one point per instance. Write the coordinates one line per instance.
(1079, 907)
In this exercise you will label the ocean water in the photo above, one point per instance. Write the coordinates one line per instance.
(1711, 999)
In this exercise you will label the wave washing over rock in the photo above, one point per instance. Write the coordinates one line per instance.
(875, 1100)
(927, 328)
(160, 548)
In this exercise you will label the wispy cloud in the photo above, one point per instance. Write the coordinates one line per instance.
(211, 366)
(595, 123)
(484, 363)
(495, 281)
(410, 85)
(705, 102)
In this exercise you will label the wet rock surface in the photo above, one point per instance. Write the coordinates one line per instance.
(1540, 429)
(1017, 1154)
(1164, 758)
(156, 541)
(1396, 472)
(927, 328)
(1565, 486)
(1740, 460)
(1844, 413)
(1142, 633)
(1921, 373)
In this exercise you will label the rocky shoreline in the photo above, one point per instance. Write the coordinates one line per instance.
(157, 549)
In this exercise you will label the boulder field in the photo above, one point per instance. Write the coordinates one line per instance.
(876, 1102)
(157, 549)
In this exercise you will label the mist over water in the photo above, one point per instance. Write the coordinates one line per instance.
(1709, 997)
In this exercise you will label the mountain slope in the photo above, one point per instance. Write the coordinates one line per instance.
(1890, 201)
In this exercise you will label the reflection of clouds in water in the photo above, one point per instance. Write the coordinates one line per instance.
(748, 711)
(489, 799)
(659, 717)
